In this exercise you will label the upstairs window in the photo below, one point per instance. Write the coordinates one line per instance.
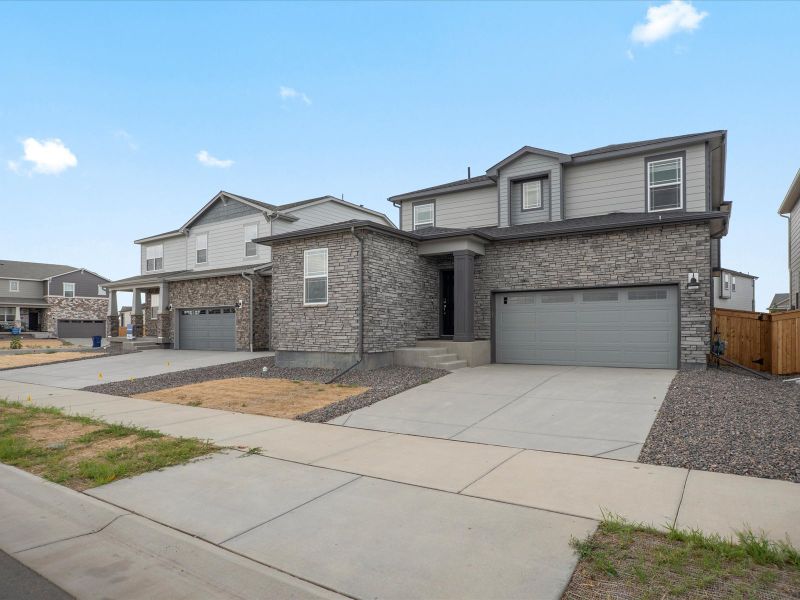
(665, 184)
(250, 233)
(13, 285)
(201, 248)
(726, 282)
(155, 258)
(101, 291)
(733, 284)
(532, 195)
(69, 290)
(315, 277)
(424, 215)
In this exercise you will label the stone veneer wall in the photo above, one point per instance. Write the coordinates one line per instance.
(226, 291)
(94, 309)
(649, 255)
(330, 328)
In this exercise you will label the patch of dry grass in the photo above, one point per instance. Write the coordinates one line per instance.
(283, 398)
(12, 361)
(38, 343)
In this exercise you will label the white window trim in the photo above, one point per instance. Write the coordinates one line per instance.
(306, 276)
(415, 223)
(733, 283)
(726, 280)
(197, 248)
(101, 291)
(525, 184)
(13, 286)
(64, 289)
(652, 186)
(246, 240)
(160, 248)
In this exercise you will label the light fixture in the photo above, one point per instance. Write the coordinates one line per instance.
(693, 281)
(169, 307)
(238, 304)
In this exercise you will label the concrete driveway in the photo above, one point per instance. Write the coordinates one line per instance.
(79, 374)
(593, 411)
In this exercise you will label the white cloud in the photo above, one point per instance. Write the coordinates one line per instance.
(49, 157)
(667, 19)
(206, 159)
(288, 93)
(126, 137)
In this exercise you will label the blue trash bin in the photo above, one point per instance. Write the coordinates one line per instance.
(97, 341)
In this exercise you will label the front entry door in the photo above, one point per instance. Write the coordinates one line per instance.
(446, 293)
(33, 321)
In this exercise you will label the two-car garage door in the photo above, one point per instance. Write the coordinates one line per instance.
(207, 329)
(613, 327)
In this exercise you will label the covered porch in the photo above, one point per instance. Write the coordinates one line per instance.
(150, 314)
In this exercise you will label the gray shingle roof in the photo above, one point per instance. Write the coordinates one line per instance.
(779, 300)
(630, 145)
(15, 269)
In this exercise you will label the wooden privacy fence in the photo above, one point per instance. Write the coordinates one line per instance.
(763, 341)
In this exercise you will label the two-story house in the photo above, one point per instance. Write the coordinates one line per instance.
(206, 285)
(64, 301)
(602, 257)
(790, 208)
(734, 290)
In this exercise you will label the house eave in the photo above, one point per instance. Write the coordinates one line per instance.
(792, 196)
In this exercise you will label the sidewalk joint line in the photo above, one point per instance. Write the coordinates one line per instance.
(74, 537)
(497, 466)
(600, 454)
(680, 501)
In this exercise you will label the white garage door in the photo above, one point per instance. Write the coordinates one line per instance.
(611, 327)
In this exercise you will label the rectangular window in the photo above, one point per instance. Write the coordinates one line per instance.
(647, 295)
(7, 314)
(532, 195)
(101, 291)
(726, 281)
(201, 248)
(424, 215)
(13, 286)
(733, 284)
(315, 276)
(250, 233)
(69, 290)
(155, 258)
(601, 296)
(665, 184)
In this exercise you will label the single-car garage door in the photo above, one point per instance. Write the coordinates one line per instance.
(76, 328)
(207, 329)
(610, 327)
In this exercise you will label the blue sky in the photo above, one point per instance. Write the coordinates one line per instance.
(377, 99)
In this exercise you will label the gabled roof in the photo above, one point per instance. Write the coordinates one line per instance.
(739, 273)
(492, 171)
(792, 196)
(15, 269)
(779, 300)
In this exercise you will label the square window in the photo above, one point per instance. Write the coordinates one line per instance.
(69, 290)
(665, 184)
(532, 195)
(424, 215)
(154, 256)
(315, 276)
(101, 291)
(13, 286)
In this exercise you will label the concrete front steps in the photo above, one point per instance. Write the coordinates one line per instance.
(432, 358)
(120, 345)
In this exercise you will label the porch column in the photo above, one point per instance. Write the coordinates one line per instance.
(463, 296)
(163, 297)
(112, 303)
(136, 303)
(17, 316)
(137, 320)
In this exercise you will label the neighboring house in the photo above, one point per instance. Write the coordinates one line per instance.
(602, 258)
(780, 303)
(734, 290)
(200, 281)
(790, 208)
(62, 300)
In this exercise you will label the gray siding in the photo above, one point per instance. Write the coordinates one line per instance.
(174, 254)
(618, 185)
(741, 299)
(519, 216)
(794, 254)
(226, 244)
(27, 289)
(323, 213)
(223, 211)
(85, 284)
(529, 164)
(715, 254)
(468, 208)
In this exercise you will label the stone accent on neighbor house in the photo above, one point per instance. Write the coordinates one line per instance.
(663, 255)
(226, 291)
(59, 307)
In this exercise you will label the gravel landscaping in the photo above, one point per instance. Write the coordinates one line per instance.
(724, 421)
(382, 382)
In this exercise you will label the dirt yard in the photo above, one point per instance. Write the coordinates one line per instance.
(28, 343)
(12, 361)
(283, 398)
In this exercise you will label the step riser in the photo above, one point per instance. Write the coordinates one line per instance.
(430, 358)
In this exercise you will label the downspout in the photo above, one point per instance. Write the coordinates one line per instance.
(360, 306)
(789, 245)
(250, 307)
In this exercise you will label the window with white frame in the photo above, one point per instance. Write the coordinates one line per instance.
(665, 184)
(13, 285)
(250, 233)
(101, 291)
(154, 258)
(726, 281)
(69, 290)
(154, 302)
(201, 248)
(733, 284)
(532, 195)
(7, 314)
(315, 276)
(424, 215)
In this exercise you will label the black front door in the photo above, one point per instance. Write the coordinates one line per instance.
(446, 292)
(33, 321)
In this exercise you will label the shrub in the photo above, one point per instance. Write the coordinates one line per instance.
(16, 342)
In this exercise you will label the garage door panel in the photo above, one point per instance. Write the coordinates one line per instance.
(633, 327)
(81, 328)
(207, 329)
